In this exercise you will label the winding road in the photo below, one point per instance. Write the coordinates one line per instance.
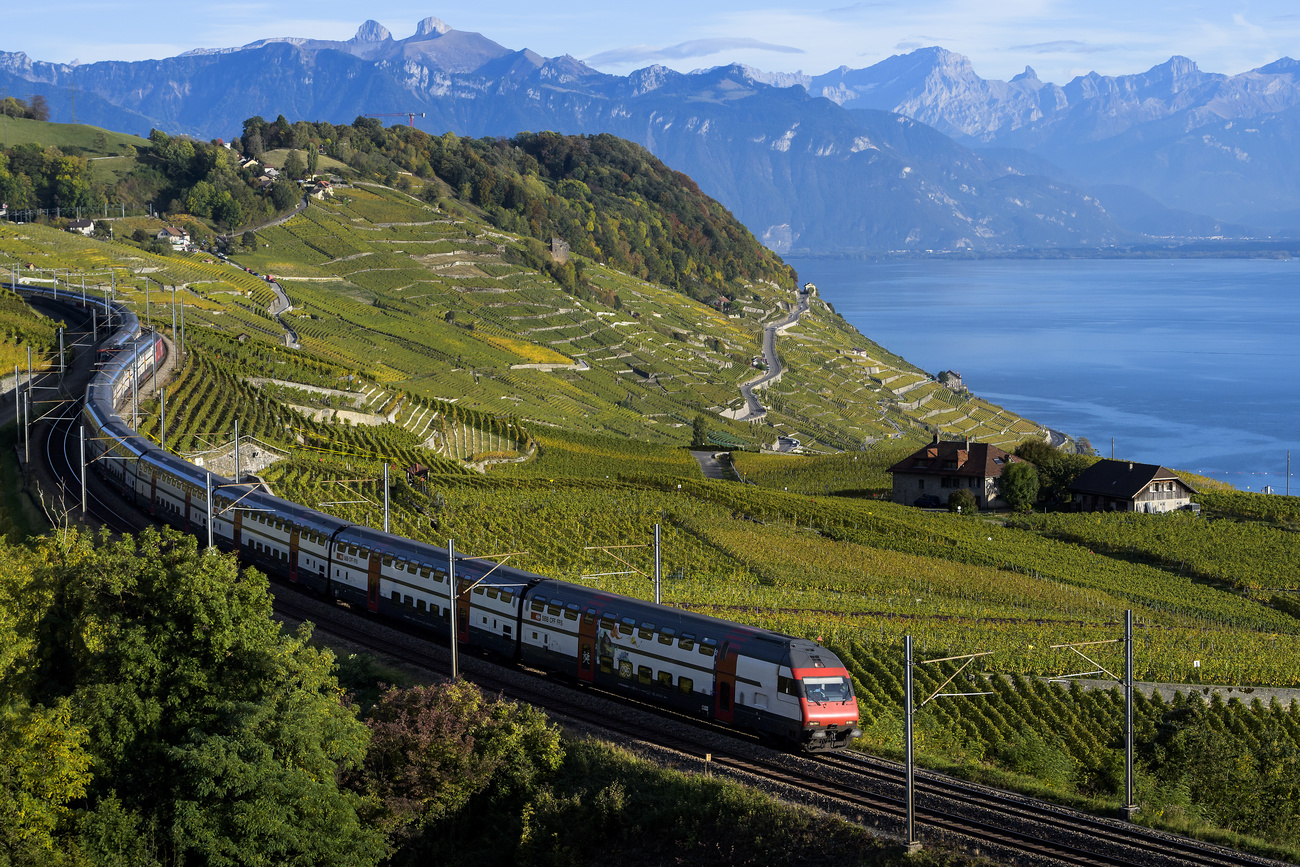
(755, 409)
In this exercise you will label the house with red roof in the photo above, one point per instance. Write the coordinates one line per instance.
(944, 466)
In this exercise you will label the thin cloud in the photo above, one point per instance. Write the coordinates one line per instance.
(684, 50)
(1061, 46)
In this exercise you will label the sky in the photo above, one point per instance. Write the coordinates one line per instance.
(1058, 38)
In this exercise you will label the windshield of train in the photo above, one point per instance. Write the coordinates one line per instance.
(827, 689)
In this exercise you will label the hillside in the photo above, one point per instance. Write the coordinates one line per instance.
(657, 314)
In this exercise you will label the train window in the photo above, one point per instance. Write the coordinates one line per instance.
(708, 646)
(507, 597)
(686, 642)
(666, 635)
(555, 609)
(647, 630)
(446, 615)
(440, 576)
(492, 593)
(419, 605)
(666, 679)
(571, 611)
(644, 674)
(478, 591)
(685, 685)
(724, 696)
(408, 602)
(538, 605)
(607, 621)
(625, 669)
(424, 573)
(505, 630)
(388, 561)
(786, 685)
(589, 616)
(397, 597)
(607, 664)
(629, 625)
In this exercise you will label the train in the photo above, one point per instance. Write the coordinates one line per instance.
(782, 688)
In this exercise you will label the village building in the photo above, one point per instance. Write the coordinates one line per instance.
(1126, 486)
(952, 380)
(174, 236)
(82, 227)
(944, 466)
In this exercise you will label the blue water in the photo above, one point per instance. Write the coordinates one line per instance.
(1187, 363)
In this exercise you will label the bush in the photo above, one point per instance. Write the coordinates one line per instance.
(962, 500)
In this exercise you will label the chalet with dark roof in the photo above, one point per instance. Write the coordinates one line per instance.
(1125, 486)
(942, 467)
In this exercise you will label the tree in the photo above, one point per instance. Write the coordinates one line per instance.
(1019, 485)
(433, 748)
(249, 240)
(313, 158)
(37, 107)
(284, 195)
(208, 722)
(700, 432)
(294, 167)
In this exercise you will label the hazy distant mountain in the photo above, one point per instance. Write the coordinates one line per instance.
(1200, 142)
(871, 166)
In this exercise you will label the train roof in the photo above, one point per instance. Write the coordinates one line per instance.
(754, 641)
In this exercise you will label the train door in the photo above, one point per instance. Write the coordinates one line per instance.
(462, 608)
(724, 684)
(587, 646)
(372, 581)
(293, 554)
(237, 528)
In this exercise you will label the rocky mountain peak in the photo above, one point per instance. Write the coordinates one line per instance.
(431, 27)
(372, 31)
(1027, 75)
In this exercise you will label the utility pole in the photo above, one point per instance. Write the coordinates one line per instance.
(455, 600)
(385, 497)
(209, 501)
(913, 845)
(162, 418)
(1130, 806)
(659, 572)
(60, 351)
(236, 451)
(83, 471)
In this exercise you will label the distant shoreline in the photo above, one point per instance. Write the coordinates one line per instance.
(1276, 250)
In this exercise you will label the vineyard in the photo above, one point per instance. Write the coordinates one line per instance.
(1194, 758)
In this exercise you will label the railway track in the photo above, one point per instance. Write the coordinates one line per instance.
(1000, 824)
(867, 789)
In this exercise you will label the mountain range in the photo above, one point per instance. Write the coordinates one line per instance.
(916, 152)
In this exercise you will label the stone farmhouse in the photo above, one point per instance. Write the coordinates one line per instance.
(942, 467)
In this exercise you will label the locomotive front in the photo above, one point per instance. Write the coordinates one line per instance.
(825, 690)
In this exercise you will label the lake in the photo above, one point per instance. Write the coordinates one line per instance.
(1189, 363)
